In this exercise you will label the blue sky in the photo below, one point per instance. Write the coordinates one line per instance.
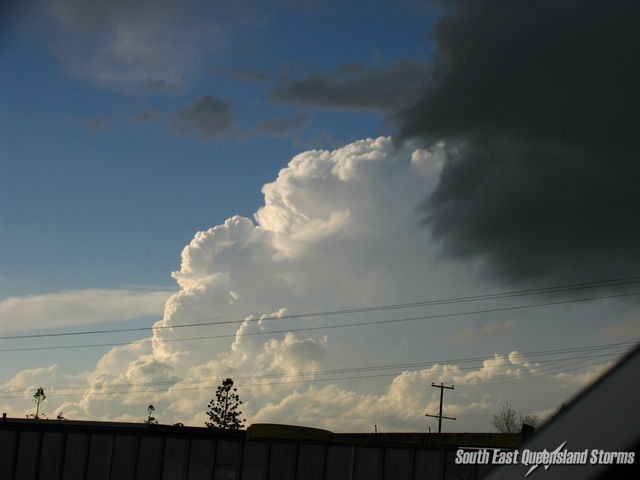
(173, 163)
(92, 196)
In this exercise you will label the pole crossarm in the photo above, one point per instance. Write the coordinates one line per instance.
(438, 416)
(442, 386)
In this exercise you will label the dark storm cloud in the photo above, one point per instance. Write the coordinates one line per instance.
(539, 101)
(357, 87)
(207, 117)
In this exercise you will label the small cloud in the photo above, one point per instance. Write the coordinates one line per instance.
(208, 117)
(146, 117)
(157, 86)
(281, 127)
(516, 357)
(242, 75)
(98, 125)
(141, 46)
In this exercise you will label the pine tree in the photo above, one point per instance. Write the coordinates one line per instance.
(38, 398)
(223, 410)
(151, 420)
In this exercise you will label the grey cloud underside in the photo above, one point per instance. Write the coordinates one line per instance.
(208, 117)
(281, 127)
(211, 119)
(539, 102)
(144, 46)
(357, 87)
(98, 124)
(243, 75)
(146, 116)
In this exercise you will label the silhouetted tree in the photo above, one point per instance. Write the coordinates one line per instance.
(509, 420)
(38, 398)
(150, 419)
(223, 410)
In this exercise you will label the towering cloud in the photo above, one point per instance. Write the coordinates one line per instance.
(337, 230)
(539, 100)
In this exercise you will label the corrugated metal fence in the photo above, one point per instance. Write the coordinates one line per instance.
(54, 450)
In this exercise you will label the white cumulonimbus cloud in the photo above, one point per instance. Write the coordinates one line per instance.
(337, 230)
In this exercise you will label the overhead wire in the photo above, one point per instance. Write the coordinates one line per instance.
(590, 354)
(262, 384)
(328, 327)
(291, 378)
(617, 282)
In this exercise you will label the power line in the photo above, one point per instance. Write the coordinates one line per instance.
(328, 327)
(365, 368)
(526, 410)
(471, 298)
(286, 378)
(549, 371)
(251, 385)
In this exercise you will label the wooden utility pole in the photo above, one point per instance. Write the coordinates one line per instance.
(439, 416)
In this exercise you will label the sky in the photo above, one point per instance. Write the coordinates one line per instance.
(336, 204)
